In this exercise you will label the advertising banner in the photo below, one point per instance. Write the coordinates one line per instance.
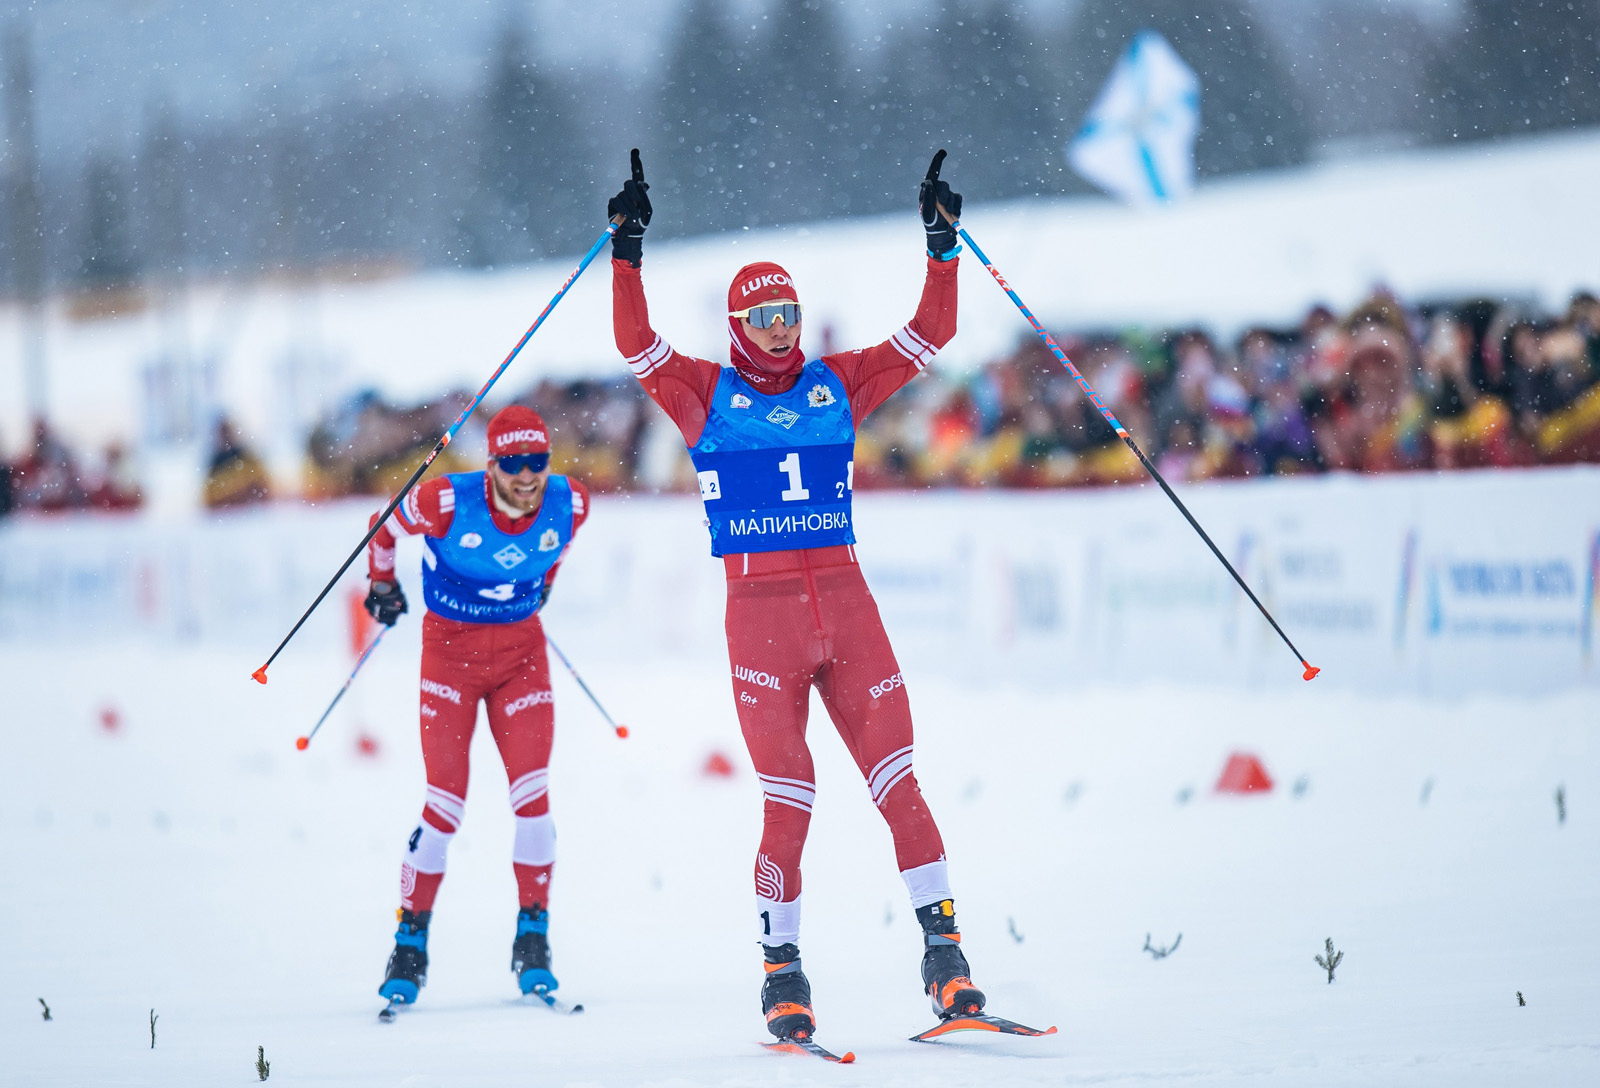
(1434, 584)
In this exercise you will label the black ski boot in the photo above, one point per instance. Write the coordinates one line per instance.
(408, 963)
(945, 975)
(530, 951)
(785, 994)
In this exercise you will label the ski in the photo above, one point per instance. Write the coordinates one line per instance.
(386, 1016)
(806, 1045)
(551, 1001)
(979, 1022)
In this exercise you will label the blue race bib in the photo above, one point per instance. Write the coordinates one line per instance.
(777, 472)
(479, 574)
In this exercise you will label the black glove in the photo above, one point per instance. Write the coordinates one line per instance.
(627, 244)
(387, 604)
(943, 242)
(544, 597)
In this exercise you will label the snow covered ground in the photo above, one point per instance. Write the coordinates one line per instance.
(189, 860)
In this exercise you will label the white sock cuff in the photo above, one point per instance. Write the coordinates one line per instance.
(928, 883)
(426, 849)
(780, 922)
(535, 841)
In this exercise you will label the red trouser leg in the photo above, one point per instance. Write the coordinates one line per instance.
(504, 665)
(454, 668)
(860, 685)
(522, 719)
(791, 629)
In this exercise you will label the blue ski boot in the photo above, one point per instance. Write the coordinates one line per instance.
(408, 963)
(530, 951)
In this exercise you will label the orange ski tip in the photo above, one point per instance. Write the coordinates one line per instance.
(847, 1057)
(302, 743)
(1311, 671)
(622, 731)
(260, 675)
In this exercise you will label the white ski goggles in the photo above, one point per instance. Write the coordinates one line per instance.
(764, 315)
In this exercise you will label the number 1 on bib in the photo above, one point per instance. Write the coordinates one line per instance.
(796, 491)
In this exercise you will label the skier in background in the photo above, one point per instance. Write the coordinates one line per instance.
(772, 438)
(494, 541)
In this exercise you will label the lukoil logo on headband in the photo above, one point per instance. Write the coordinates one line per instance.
(769, 280)
(511, 438)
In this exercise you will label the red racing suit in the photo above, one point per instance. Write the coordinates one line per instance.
(502, 665)
(804, 618)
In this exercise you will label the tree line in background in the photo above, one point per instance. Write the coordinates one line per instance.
(770, 120)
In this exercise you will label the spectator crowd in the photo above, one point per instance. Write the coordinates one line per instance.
(49, 476)
(1387, 387)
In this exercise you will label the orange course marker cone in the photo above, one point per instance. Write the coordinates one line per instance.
(1244, 774)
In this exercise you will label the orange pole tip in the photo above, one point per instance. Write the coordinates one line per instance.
(302, 742)
(1311, 671)
(622, 731)
(260, 675)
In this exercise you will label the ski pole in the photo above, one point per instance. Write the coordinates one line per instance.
(260, 675)
(620, 730)
(304, 742)
(1122, 432)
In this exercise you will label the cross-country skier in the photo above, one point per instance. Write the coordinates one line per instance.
(772, 438)
(493, 542)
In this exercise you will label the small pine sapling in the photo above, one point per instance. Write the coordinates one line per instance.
(1520, 1003)
(46, 1008)
(1011, 927)
(1561, 804)
(263, 1067)
(153, 1019)
(1331, 959)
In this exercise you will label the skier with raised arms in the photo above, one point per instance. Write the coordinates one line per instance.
(493, 541)
(772, 438)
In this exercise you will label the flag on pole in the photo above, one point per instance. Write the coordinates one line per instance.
(1137, 142)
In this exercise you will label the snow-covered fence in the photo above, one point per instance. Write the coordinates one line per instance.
(1436, 584)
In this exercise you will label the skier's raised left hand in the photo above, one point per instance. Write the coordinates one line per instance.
(633, 204)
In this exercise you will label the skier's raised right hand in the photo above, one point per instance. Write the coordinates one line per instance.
(633, 204)
(386, 602)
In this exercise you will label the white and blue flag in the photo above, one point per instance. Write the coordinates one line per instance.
(1137, 142)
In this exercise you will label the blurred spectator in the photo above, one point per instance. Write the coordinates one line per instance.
(1465, 426)
(1560, 391)
(118, 486)
(47, 477)
(371, 447)
(7, 498)
(235, 476)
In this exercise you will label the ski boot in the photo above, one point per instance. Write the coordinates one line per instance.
(530, 951)
(408, 963)
(944, 969)
(786, 995)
